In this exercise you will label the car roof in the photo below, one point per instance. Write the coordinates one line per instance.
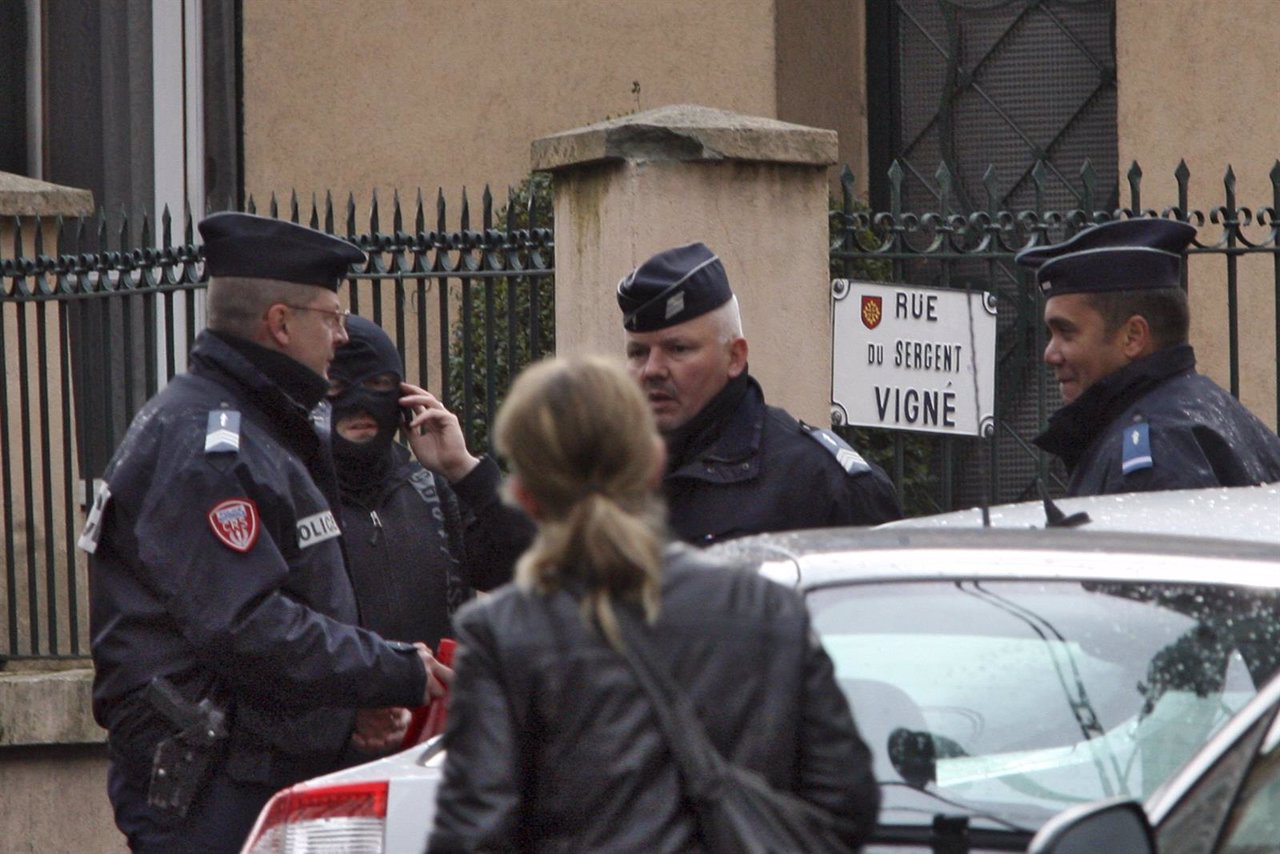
(826, 556)
(1239, 513)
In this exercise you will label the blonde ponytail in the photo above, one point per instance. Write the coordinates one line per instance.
(579, 436)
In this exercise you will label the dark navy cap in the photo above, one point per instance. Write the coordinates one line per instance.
(240, 244)
(672, 287)
(1128, 254)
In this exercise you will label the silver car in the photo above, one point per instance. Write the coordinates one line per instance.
(999, 674)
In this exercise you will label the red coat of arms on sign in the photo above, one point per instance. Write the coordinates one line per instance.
(235, 523)
(871, 311)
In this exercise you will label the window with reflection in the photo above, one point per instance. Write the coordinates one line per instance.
(1021, 698)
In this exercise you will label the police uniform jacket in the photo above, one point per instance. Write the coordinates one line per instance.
(743, 467)
(553, 744)
(1157, 424)
(216, 562)
(419, 545)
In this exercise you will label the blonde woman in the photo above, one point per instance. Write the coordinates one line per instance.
(553, 744)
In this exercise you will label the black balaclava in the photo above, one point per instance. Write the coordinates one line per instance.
(369, 352)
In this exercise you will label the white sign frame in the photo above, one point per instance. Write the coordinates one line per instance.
(922, 359)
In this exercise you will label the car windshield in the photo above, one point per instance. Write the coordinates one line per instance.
(1016, 699)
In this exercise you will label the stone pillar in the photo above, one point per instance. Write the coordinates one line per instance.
(53, 759)
(752, 189)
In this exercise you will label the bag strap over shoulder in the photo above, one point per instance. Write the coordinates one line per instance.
(737, 809)
(700, 762)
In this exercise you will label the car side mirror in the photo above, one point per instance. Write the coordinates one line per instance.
(1111, 825)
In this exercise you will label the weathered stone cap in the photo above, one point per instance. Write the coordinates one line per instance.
(686, 132)
(48, 708)
(22, 196)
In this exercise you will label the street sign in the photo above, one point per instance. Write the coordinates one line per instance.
(913, 358)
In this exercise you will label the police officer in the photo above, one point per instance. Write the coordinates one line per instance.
(422, 530)
(227, 662)
(735, 465)
(1137, 415)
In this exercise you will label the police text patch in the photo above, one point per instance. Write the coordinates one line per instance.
(317, 528)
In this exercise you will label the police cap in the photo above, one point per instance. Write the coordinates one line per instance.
(241, 244)
(672, 287)
(1128, 254)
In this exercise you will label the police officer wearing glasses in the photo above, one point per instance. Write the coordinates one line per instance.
(735, 465)
(1137, 416)
(228, 663)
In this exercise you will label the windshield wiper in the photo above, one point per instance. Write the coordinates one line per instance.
(960, 841)
(968, 811)
(1081, 706)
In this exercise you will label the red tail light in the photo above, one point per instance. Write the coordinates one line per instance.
(347, 818)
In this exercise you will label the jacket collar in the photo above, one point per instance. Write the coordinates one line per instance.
(227, 359)
(268, 369)
(1074, 427)
(727, 450)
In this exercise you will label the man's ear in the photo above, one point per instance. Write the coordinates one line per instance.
(276, 325)
(737, 356)
(1136, 339)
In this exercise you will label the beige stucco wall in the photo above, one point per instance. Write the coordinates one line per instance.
(1191, 88)
(55, 799)
(821, 73)
(406, 94)
(53, 766)
(452, 93)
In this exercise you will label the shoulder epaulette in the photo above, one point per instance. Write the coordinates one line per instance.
(223, 435)
(1135, 453)
(849, 459)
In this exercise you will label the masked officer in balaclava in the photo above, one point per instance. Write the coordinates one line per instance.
(421, 533)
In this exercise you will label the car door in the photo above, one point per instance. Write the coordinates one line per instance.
(1233, 805)
(1252, 825)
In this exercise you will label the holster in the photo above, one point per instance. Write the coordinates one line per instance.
(182, 761)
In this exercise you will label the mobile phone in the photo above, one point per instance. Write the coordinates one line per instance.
(406, 415)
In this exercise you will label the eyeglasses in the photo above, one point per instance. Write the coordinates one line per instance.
(339, 315)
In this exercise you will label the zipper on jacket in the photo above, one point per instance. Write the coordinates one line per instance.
(377, 526)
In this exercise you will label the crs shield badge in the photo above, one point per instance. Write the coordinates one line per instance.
(872, 311)
(235, 523)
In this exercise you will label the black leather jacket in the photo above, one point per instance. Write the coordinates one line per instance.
(553, 746)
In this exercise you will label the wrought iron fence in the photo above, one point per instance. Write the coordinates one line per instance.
(1234, 285)
(93, 326)
(96, 315)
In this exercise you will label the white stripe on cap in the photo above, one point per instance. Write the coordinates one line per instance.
(1102, 249)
